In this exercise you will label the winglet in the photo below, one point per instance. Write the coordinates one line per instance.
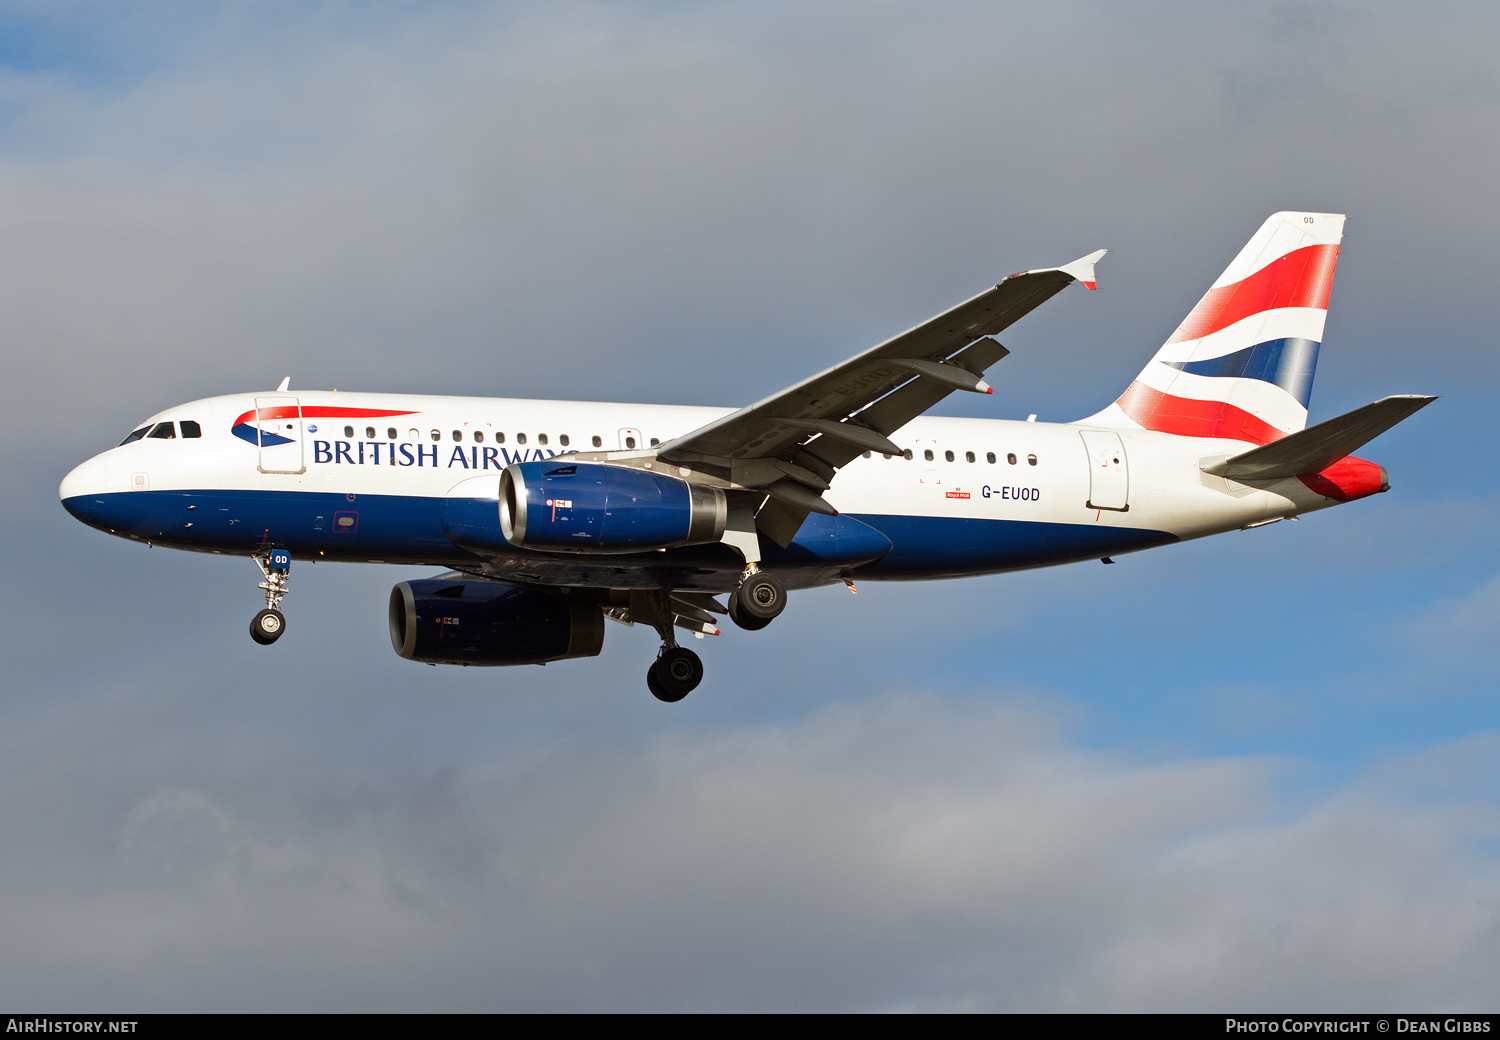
(285, 383)
(1083, 268)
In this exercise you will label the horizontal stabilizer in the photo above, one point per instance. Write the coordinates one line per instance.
(1316, 448)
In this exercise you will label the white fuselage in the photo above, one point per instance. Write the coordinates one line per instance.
(392, 460)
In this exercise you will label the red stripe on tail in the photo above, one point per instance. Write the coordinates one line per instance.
(1189, 417)
(1302, 278)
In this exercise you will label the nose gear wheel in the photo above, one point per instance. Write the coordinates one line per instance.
(267, 626)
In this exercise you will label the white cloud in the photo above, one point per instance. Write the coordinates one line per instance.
(907, 852)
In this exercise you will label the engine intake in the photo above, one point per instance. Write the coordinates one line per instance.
(485, 623)
(595, 507)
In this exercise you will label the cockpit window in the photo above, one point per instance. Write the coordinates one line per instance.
(190, 428)
(135, 435)
(162, 431)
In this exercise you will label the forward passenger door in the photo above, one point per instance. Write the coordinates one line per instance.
(278, 426)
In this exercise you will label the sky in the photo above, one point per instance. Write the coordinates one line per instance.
(1256, 771)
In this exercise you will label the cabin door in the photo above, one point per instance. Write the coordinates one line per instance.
(278, 430)
(1109, 473)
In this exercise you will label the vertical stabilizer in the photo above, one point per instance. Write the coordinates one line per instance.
(1240, 366)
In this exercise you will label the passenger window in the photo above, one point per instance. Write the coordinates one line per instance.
(478, 436)
(436, 435)
(948, 455)
(541, 438)
(968, 456)
(135, 435)
(163, 431)
(391, 433)
(867, 455)
(499, 438)
(598, 441)
(563, 440)
(1031, 460)
(630, 442)
(458, 435)
(520, 438)
(989, 457)
(414, 435)
(655, 441)
(1011, 458)
(349, 432)
(190, 428)
(369, 433)
(927, 454)
(906, 454)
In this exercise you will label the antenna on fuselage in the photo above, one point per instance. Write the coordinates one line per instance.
(285, 384)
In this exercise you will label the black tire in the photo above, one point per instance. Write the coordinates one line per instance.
(676, 673)
(655, 687)
(749, 624)
(267, 626)
(760, 597)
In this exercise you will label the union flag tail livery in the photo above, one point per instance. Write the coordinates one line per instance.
(551, 518)
(1240, 366)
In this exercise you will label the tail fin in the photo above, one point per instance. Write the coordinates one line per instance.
(1240, 366)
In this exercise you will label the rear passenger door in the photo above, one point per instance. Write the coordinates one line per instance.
(278, 426)
(1109, 475)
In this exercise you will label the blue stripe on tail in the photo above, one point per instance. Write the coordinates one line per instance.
(1289, 363)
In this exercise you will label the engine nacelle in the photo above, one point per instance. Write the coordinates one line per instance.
(485, 623)
(599, 508)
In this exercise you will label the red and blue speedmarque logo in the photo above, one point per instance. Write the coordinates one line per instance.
(246, 428)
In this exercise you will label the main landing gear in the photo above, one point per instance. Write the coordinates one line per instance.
(267, 626)
(677, 671)
(758, 601)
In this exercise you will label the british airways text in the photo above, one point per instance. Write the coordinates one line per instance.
(362, 453)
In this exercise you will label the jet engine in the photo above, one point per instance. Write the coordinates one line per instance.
(485, 623)
(599, 508)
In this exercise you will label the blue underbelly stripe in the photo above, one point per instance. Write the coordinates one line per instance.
(410, 529)
(955, 547)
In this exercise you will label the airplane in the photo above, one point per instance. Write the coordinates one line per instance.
(553, 517)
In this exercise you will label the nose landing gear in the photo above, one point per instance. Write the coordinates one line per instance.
(267, 626)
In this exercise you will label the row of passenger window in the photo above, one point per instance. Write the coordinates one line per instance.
(563, 440)
(969, 456)
(163, 431)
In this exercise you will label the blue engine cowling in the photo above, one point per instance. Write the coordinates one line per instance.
(486, 623)
(594, 507)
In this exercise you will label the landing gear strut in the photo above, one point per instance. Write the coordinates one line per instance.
(677, 671)
(267, 626)
(758, 601)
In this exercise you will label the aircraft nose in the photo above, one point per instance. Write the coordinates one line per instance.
(81, 486)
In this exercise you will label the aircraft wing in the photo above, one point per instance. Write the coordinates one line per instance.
(792, 443)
